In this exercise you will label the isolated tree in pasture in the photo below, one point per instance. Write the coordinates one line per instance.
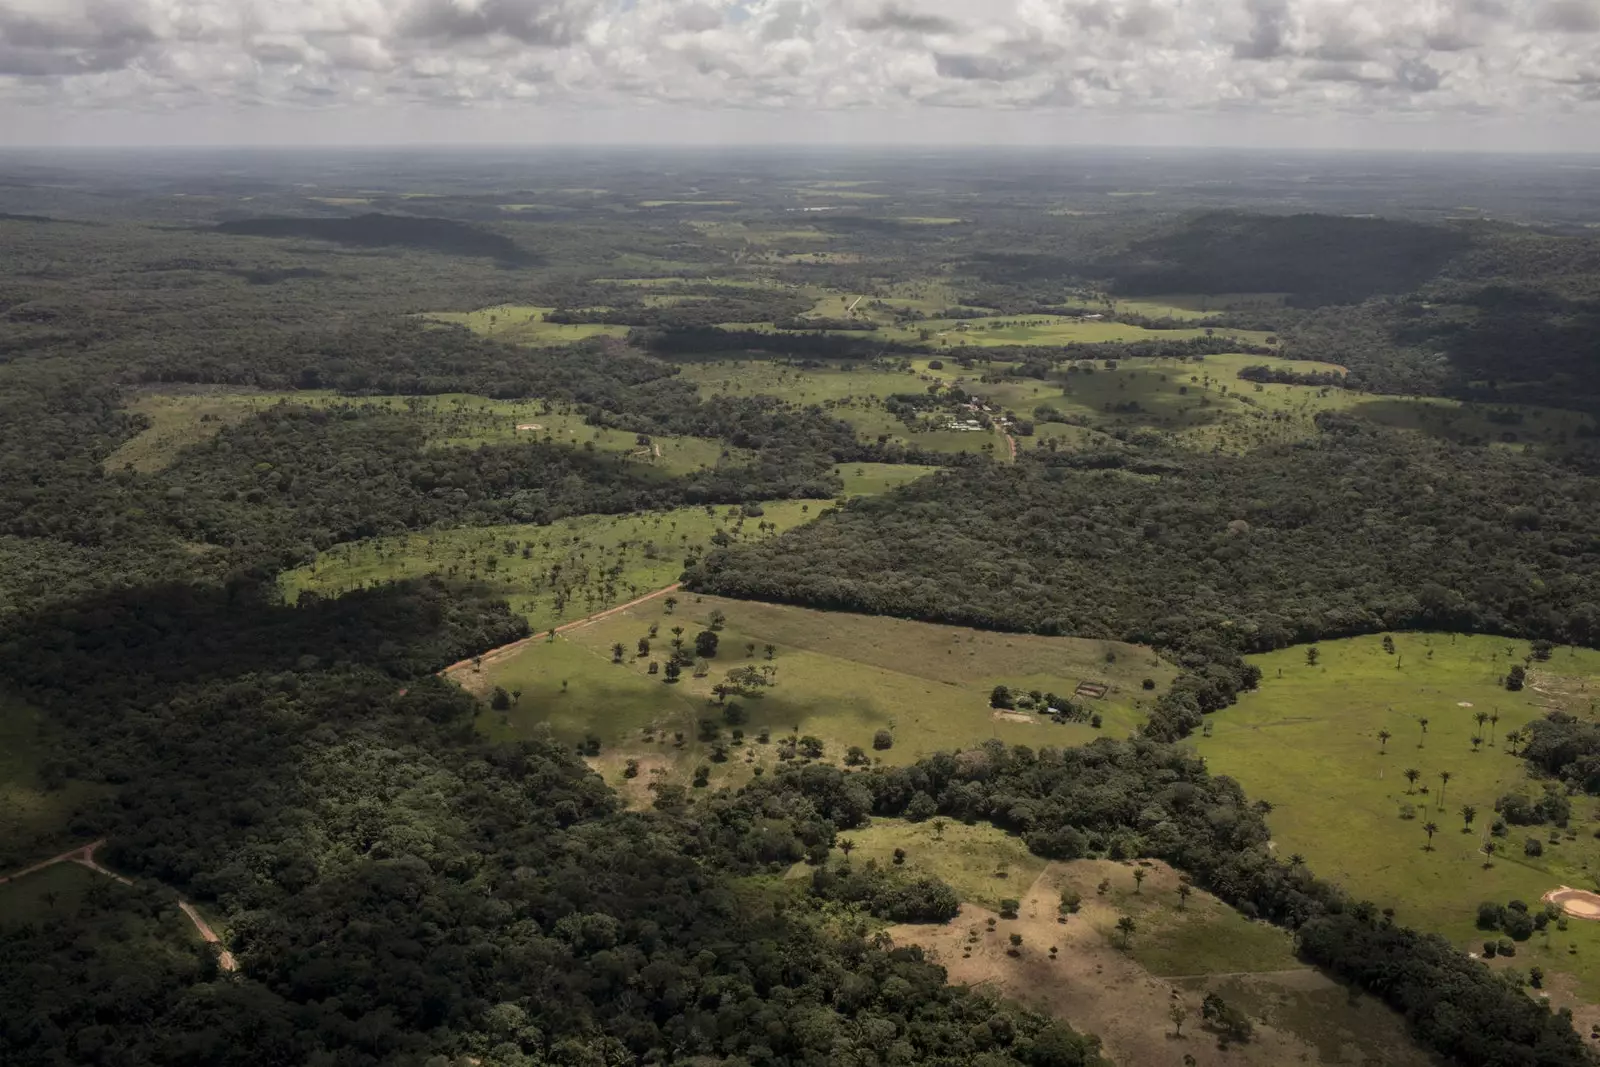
(1489, 850)
(1383, 740)
(1177, 1013)
(938, 829)
(1138, 879)
(673, 670)
(717, 618)
(1412, 774)
(671, 604)
(500, 700)
(1513, 739)
(1476, 741)
(1126, 927)
(705, 644)
(643, 647)
(1429, 828)
(1312, 656)
(882, 739)
(749, 649)
(1468, 813)
(847, 846)
(618, 650)
(1424, 724)
(1444, 780)
(1494, 720)
(1480, 718)
(1184, 890)
(770, 650)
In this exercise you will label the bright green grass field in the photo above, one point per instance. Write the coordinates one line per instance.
(524, 324)
(448, 420)
(1045, 330)
(602, 560)
(840, 677)
(1307, 743)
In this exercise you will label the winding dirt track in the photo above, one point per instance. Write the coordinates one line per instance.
(496, 654)
(1011, 445)
(83, 856)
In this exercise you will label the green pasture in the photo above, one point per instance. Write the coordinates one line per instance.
(1308, 743)
(178, 421)
(871, 479)
(982, 864)
(524, 324)
(1196, 305)
(55, 892)
(839, 677)
(551, 574)
(853, 394)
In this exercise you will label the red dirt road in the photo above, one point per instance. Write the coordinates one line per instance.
(83, 855)
(503, 651)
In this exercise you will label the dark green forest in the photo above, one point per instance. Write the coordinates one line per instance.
(399, 890)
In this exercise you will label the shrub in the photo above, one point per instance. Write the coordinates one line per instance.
(1148, 683)
(1506, 947)
(1490, 915)
(1008, 908)
(1488, 950)
(882, 740)
(1533, 847)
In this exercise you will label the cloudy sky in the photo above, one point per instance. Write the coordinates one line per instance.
(1519, 74)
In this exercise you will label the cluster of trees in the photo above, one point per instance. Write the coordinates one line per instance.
(397, 889)
(1208, 557)
(886, 893)
(1565, 747)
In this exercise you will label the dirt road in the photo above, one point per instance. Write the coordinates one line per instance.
(1011, 446)
(497, 654)
(83, 856)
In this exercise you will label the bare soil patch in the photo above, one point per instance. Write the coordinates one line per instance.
(1578, 903)
(1098, 987)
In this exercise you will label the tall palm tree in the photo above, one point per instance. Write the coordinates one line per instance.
(1126, 926)
(1480, 718)
(1412, 774)
(1424, 724)
(1468, 813)
(1429, 828)
(1513, 739)
(1383, 740)
(1488, 850)
(1444, 780)
(1476, 741)
(1494, 720)
(846, 846)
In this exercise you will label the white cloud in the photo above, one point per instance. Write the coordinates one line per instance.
(1292, 59)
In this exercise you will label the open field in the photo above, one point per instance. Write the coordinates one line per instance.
(551, 574)
(1308, 743)
(1124, 995)
(1204, 404)
(33, 816)
(855, 395)
(836, 676)
(55, 891)
(179, 420)
(524, 324)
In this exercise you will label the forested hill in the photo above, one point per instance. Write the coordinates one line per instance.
(1232, 252)
(376, 230)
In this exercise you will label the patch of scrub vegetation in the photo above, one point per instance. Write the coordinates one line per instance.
(1331, 738)
(37, 799)
(524, 324)
(178, 420)
(557, 573)
(892, 689)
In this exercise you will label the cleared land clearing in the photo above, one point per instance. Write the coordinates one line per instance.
(1104, 988)
(855, 395)
(837, 677)
(552, 574)
(1307, 742)
(1205, 404)
(179, 420)
(524, 324)
(1196, 305)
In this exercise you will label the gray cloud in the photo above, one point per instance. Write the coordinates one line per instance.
(1110, 58)
(892, 16)
(1569, 16)
(540, 22)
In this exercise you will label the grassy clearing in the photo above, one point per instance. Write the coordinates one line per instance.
(854, 394)
(1308, 743)
(524, 324)
(1197, 305)
(838, 677)
(871, 479)
(1115, 992)
(551, 574)
(982, 864)
(448, 420)
(51, 893)
(33, 818)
